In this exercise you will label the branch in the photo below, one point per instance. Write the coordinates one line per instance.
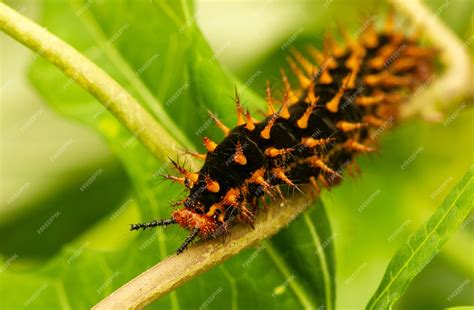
(93, 79)
(176, 270)
(455, 82)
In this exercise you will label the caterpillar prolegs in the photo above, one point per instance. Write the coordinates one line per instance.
(345, 96)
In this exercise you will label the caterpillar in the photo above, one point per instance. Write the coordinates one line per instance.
(346, 95)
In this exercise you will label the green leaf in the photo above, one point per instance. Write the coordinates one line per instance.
(73, 211)
(307, 247)
(204, 70)
(425, 244)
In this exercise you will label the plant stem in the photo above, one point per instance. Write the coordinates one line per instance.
(93, 79)
(455, 82)
(176, 270)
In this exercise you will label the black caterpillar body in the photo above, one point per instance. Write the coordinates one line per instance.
(311, 138)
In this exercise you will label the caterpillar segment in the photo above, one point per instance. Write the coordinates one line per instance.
(345, 95)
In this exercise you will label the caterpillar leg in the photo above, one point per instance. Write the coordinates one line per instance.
(194, 233)
(153, 224)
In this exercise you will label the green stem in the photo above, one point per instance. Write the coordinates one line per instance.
(455, 82)
(148, 99)
(93, 79)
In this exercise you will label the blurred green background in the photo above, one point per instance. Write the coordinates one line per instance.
(68, 193)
